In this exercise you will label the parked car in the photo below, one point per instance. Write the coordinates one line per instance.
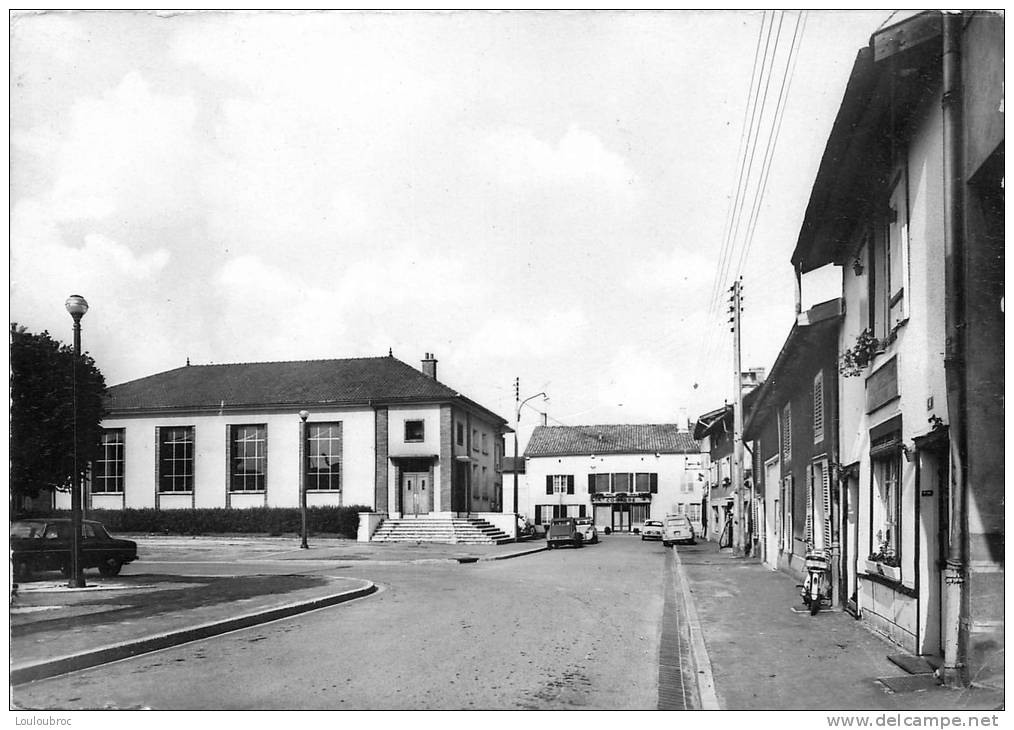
(651, 530)
(586, 526)
(678, 528)
(39, 544)
(563, 531)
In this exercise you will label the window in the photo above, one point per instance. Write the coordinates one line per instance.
(890, 266)
(598, 483)
(485, 446)
(460, 431)
(475, 439)
(248, 458)
(646, 483)
(886, 506)
(621, 482)
(497, 457)
(560, 484)
(818, 408)
(786, 528)
(324, 456)
(415, 430)
(786, 432)
(681, 508)
(107, 474)
(485, 486)
(176, 459)
(546, 512)
(694, 512)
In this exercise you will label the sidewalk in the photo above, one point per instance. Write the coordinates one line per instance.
(55, 629)
(763, 655)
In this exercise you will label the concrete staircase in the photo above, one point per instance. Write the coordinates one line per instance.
(448, 530)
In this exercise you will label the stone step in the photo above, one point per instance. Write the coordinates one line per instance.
(450, 530)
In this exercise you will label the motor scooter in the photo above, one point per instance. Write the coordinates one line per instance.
(525, 527)
(815, 585)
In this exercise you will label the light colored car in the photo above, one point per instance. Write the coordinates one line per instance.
(586, 526)
(678, 528)
(652, 530)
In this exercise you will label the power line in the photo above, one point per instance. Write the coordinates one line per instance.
(773, 136)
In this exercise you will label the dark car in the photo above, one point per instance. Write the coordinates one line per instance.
(563, 531)
(42, 543)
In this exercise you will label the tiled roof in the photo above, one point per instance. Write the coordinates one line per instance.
(266, 384)
(648, 438)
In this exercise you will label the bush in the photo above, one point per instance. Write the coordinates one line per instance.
(342, 521)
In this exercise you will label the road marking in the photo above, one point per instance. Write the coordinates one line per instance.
(699, 651)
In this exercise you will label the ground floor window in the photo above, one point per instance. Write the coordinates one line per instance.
(324, 456)
(886, 507)
(249, 458)
(546, 512)
(694, 512)
(107, 476)
(176, 459)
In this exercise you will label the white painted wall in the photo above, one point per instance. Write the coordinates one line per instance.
(211, 461)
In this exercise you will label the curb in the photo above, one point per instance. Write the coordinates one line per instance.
(698, 649)
(126, 650)
(513, 555)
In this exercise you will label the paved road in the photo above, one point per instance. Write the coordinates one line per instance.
(564, 629)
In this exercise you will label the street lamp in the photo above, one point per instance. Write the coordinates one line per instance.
(76, 306)
(517, 424)
(303, 415)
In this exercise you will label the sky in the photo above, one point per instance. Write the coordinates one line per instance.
(534, 195)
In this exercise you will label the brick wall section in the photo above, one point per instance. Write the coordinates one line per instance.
(446, 456)
(382, 462)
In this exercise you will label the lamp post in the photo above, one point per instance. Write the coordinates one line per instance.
(517, 424)
(303, 415)
(76, 306)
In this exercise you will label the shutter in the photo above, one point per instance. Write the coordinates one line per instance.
(818, 408)
(570, 484)
(549, 484)
(809, 510)
(826, 489)
(653, 483)
(581, 511)
(591, 484)
(538, 514)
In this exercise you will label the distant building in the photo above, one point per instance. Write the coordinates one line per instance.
(379, 434)
(619, 474)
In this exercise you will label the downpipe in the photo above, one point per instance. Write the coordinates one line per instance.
(954, 670)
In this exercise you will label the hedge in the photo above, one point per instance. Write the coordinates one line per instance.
(342, 521)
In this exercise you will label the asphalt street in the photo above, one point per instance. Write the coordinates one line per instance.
(562, 629)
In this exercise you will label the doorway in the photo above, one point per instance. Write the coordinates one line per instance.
(416, 493)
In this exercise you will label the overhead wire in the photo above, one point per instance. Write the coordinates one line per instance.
(772, 141)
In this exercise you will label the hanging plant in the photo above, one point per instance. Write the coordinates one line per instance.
(857, 357)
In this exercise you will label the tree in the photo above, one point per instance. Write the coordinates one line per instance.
(42, 413)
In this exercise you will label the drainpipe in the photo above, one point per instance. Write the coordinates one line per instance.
(955, 598)
(799, 291)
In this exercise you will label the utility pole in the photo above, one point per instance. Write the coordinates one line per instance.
(739, 512)
(517, 424)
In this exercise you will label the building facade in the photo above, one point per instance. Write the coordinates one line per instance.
(908, 200)
(378, 434)
(790, 428)
(621, 475)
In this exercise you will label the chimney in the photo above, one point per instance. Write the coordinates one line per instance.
(429, 366)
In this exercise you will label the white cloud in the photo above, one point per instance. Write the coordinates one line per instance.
(520, 158)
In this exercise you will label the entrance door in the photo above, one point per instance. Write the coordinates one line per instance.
(850, 545)
(621, 518)
(416, 493)
(933, 484)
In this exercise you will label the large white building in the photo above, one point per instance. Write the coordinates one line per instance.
(619, 474)
(379, 434)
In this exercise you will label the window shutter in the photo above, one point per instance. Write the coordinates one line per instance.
(581, 511)
(570, 484)
(826, 488)
(591, 484)
(809, 511)
(549, 484)
(818, 408)
(653, 483)
(538, 514)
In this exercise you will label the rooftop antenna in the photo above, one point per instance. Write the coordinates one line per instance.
(188, 362)
(390, 352)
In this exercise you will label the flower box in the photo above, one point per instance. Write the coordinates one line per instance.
(888, 571)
